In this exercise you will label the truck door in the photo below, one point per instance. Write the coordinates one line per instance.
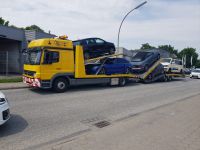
(50, 65)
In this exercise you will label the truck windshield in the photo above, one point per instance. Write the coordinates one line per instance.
(33, 56)
(196, 71)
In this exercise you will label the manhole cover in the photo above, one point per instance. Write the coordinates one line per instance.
(102, 124)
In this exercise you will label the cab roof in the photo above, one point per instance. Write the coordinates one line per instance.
(51, 43)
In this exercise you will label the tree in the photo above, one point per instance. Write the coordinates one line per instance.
(3, 22)
(34, 27)
(146, 46)
(197, 65)
(189, 53)
(169, 48)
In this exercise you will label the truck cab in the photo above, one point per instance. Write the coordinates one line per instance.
(172, 65)
(44, 61)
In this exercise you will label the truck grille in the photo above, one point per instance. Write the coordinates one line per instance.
(29, 73)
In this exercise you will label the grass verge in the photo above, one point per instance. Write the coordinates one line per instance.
(10, 79)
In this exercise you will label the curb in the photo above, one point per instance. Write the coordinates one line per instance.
(13, 88)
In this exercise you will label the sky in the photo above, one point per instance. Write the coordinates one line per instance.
(158, 22)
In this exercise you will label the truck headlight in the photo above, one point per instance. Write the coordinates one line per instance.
(2, 101)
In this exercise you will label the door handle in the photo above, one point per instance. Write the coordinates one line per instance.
(58, 68)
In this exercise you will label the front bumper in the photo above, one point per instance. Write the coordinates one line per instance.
(195, 76)
(4, 113)
(33, 82)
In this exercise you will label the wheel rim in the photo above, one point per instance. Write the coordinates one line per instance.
(61, 85)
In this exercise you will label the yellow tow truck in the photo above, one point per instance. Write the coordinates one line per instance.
(55, 63)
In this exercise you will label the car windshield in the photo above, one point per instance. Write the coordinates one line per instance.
(167, 60)
(140, 56)
(33, 56)
(197, 71)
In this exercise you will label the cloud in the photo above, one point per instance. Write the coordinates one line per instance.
(158, 22)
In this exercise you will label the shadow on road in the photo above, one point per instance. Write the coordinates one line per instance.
(95, 87)
(15, 125)
(78, 88)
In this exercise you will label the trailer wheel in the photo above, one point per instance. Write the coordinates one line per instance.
(122, 81)
(60, 85)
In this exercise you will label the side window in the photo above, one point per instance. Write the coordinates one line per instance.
(99, 41)
(149, 54)
(89, 41)
(55, 57)
(51, 57)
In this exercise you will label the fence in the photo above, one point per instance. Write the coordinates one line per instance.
(4, 66)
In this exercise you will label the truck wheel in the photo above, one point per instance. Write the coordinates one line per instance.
(60, 85)
(122, 81)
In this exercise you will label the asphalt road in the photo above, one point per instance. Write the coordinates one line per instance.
(41, 118)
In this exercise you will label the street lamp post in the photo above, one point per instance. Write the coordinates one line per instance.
(125, 18)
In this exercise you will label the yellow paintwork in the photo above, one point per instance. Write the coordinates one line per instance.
(80, 68)
(66, 59)
(35, 68)
(151, 69)
(176, 75)
(66, 63)
(51, 42)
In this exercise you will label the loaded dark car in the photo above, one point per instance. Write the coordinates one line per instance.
(110, 66)
(143, 60)
(95, 47)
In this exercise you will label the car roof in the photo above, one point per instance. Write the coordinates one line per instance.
(87, 39)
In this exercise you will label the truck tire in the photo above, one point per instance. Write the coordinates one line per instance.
(60, 85)
(122, 81)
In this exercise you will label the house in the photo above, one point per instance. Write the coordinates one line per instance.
(12, 43)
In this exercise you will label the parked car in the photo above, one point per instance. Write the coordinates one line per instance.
(172, 65)
(95, 47)
(143, 60)
(187, 71)
(195, 73)
(110, 66)
(4, 109)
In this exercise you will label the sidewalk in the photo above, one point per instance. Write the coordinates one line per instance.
(171, 127)
(16, 85)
